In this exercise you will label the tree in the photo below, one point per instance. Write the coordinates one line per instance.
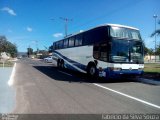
(6, 46)
(156, 31)
(29, 51)
(158, 50)
(43, 52)
(12, 49)
(150, 52)
(146, 50)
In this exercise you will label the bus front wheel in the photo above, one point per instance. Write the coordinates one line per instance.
(91, 71)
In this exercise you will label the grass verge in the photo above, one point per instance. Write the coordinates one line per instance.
(6, 64)
(152, 71)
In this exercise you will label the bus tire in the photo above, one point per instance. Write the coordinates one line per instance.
(91, 70)
(62, 64)
(58, 63)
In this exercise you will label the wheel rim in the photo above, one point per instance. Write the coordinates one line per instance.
(58, 64)
(62, 65)
(92, 70)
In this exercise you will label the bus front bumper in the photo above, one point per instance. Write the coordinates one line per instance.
(109, 74)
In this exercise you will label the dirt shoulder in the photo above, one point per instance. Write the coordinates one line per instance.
(155, 76)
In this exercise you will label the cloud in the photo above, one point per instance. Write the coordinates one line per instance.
(58, 35)
(29, 29)
(9, 11)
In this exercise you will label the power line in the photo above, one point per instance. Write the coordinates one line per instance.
(123, 7)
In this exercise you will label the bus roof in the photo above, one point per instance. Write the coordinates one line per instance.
(114, 25)
(118, 25)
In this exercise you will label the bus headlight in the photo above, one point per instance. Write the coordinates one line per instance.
(100, 69)
(101, 72)
(140, 69)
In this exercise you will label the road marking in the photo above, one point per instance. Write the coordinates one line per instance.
(128, 96)
(11, 80)
(65, 73)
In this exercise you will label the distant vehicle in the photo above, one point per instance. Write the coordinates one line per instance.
(48, 59)
(109, 51)
(19, 57)
(32, 57)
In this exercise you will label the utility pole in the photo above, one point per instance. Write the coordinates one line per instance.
(66, 20)
(155, 17)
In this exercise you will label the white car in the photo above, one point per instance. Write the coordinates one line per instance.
(48, 59)
(19, 57)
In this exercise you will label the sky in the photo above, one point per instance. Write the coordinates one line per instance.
(37, 23)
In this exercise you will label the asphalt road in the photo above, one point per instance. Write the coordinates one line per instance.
(41, 88)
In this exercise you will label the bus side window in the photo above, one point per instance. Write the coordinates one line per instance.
(65, 43)
(103, 52)
(78, 40)
(96, 54)
(61, 44)
(54, 47)
(71, 41)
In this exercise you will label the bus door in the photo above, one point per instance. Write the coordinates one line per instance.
(100, 52)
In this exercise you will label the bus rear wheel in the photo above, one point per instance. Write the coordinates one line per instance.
(62, 64)
(58, 63)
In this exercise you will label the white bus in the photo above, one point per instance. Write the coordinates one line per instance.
(109, 51)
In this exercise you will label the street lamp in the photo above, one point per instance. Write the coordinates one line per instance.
(155, 17)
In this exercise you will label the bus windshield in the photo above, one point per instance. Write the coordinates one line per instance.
(126, 51)
(124, 33)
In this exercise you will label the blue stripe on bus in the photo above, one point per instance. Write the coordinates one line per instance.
(122, 73)
(79, 65)
(109, 73)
